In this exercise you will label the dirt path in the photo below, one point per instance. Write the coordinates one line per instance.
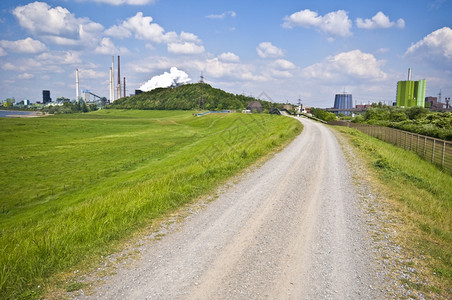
(291, 229)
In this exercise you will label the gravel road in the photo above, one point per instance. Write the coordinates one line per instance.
(290, 229)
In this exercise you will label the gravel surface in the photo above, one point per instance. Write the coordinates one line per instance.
(293, 228)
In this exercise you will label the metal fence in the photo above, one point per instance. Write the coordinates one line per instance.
(436, 151)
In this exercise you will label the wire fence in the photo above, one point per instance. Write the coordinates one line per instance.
(436, 151)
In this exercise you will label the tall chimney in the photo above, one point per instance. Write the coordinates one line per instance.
(112, 91)
(112, 79)
(77, 88)
(124, 87)
(118, 91)
(409, 74)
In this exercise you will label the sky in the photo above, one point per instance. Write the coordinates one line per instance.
(273, 50)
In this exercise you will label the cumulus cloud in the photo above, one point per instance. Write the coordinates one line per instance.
(223, 69)
(283, 64)
(185, 48)
(347, 66)
(335, 23)
(175, 77)
(380, 20)
(56, 24)
(141, 27)
(106, 46)
(267, 49)
(222, 16)
(27, 45)
(229, 57)
(435, 47)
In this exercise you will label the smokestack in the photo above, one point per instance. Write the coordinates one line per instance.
(409, 74)
(112, 93)
(119, 80)
(124, 87)
(77, 89)
(112, 79)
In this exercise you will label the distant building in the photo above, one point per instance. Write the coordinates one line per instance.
(433, 104)
(46, 97)
(363, 106)
(343, 103)
(411, 93)
(86, 96)
(255, 106)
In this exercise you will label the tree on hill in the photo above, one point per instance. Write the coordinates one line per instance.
(187, 97)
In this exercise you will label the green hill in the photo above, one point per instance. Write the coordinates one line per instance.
(187, 97)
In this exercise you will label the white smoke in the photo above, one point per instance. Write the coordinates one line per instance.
(174, 78)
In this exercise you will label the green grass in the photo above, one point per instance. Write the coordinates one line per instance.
(421, 195)
(74, 185)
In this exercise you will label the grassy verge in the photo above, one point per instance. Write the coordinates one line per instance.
(420, 195)
(74, 185)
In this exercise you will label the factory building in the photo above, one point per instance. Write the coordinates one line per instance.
(411, 93)
(343, 103)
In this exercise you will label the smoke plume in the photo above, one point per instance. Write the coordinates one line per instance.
(174, 78)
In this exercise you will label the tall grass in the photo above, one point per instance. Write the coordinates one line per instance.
(422, 198)
(72, 185)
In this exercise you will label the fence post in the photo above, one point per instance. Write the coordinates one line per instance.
(444, 153)
(425, 146)
(417, 144)
(411, 142)
(433, 150)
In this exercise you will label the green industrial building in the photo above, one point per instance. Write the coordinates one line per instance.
(411, 93)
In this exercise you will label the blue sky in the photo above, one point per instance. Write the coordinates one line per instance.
(287, 49)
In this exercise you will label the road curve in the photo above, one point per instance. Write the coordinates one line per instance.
(291, 229)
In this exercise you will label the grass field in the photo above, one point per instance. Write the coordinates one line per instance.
(74, 184)
(420, 195)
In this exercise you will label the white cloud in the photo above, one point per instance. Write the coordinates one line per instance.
(347, 66)
(92, 74)
(23, 65)
(380, 20)
(185, 48)
(229, 57)
(25, 76)
(189, 37)
(435, 47)
(267, 49)
(3, 52)
(335, 23)
(143, 28)
(27, 45)
(283, 64)
(106, 46)
(139, 26)
(222, 16)
(60, 58)
(220, 69)
(57, 24)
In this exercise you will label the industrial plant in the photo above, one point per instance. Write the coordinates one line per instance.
(411, 93)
